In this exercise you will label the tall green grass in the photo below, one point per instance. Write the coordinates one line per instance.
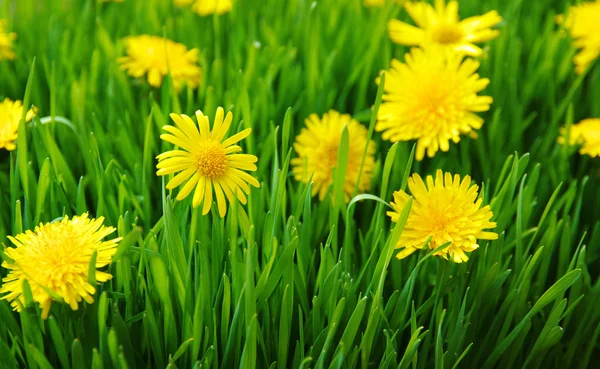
(287, 281)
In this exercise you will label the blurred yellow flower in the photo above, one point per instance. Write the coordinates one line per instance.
(6, 42)
(207, 161)
(56, 256)
(317, 147)
(585, 133)
(209, 7)
(583, 23)
(441, 25)
(157, 57)
(432, 98)
(10, 116)
(447, 210)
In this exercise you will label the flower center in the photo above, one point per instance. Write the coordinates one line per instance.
(211, 160)
(436, 103)
(447, 34)
(331, 155)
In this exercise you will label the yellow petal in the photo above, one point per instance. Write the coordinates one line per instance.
(188, 187)
(207, 196)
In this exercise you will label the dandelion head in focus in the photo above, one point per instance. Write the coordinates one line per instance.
(207, 160)
(317, 147)
(431, 98)
(10, 116)
(56, 257)
(585, 133)
(583, 23)
(446, 210)
(440, 25)
(155, 57)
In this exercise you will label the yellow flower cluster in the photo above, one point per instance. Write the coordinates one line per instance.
(432, 96)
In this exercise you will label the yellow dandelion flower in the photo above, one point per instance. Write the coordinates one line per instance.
(209, 7)
(10, 116)
(157, 57)
(585, 133)
(584, 27)
(317, 147)
(432, 98)
(441, 25)
(206, 161)
(56, 257)
(6, 42)
(447, 210)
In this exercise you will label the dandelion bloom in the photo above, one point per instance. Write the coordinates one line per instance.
(317, 146)
(207, 161)
(10, 116)
(583, 24)
(209, 7)
(441, 25)
(157, 57)
(447, 210)
(432, 98)
(585, 133)
(6, 42)
(56, 256)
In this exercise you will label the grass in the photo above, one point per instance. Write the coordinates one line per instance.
(287, 281)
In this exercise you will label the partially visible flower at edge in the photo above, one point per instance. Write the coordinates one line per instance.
(445, 209)
(440, 25)
(56, 256)
(6, 42)
(585, 133)
(11, 113)
(583, 23)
